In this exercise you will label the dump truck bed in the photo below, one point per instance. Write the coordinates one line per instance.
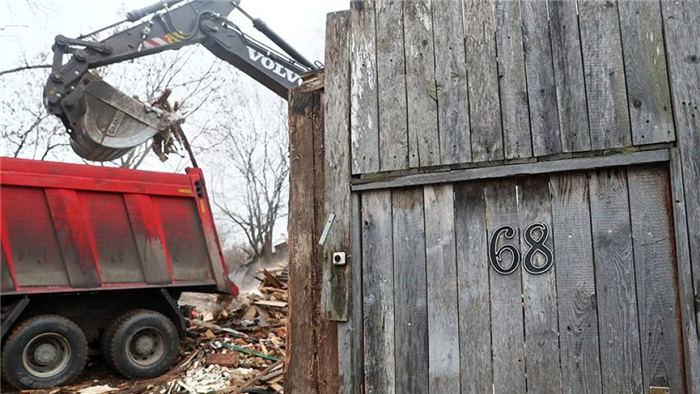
(69, 227)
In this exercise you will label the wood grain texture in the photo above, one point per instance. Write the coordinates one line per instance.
(543, 167)
(421, 90)
(443, 311)
(578, 316)
(515, 114)
(350, 333)
(410, 301)
(539, 293)
(689, 324)
(608, 114)
(336, 280)
(683, 55)
(312, 354)
(473, 284)
(482, 73)
(507, 327)
(378, 292)
(568, 76)
(657, 285)
(620, 356)
(648, 93)
(364, 119)
(541, 89)
(391, 78)
(300, 363)
(451, 77)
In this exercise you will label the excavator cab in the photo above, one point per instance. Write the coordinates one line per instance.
(104, 123)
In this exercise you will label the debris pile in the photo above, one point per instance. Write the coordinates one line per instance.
(235, 345)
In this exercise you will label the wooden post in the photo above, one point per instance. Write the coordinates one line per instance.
(312, 341)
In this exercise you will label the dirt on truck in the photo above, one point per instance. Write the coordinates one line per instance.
(96, 257)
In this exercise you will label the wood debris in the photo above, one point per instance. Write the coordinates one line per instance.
(242, 347)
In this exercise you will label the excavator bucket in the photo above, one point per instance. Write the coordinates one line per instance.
(107, 124)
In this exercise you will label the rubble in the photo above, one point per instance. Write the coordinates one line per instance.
(241, 348)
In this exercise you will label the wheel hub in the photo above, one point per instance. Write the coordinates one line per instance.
(46, 355)
(146, 346)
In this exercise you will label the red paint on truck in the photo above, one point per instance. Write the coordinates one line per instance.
(70, 227)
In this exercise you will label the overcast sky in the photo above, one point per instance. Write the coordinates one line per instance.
(30, 29)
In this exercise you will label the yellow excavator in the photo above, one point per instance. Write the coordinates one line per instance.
(105, 123)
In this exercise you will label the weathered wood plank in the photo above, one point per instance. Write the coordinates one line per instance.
(391, 78)
(421, 91)
(541, 89)
(364, 119)
(300, 363)
(608, 114)
(568, 75)
(620, 356)
(350, 333)
(648, 92)
(515, 114)
(443, 311)
(506, 296)
(544, 167)
(312, 353)
(657, 287)
(691, 343)
(326, 379)
(378, 292)
(336, 280)
(681, 19)
(451, 77)
(410, 303)
(482, 75)
(578, 316)
(473, 284)
(539, 292)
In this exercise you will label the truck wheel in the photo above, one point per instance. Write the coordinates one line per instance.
(44, 352)
(140, 344)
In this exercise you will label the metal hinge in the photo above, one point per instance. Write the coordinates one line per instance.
(659, 390)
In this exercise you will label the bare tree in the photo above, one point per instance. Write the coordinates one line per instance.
(257, 152)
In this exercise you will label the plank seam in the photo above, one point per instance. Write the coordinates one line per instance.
(595, 277)
(634, 270)
(627, 88)
(583, 71)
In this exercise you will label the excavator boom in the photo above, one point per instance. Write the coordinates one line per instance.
(105, 123)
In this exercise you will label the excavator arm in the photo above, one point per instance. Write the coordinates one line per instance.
(105, 123)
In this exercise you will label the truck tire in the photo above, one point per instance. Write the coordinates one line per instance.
(140, 344)
(44, 352)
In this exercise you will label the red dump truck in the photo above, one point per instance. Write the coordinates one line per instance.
(99, 256)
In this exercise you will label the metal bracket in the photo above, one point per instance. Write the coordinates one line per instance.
(326, 228)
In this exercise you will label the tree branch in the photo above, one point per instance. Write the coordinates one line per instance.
(24, 68)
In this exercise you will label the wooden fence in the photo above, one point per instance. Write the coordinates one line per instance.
(498, 196)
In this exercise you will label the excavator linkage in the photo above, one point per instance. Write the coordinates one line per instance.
(105, 123)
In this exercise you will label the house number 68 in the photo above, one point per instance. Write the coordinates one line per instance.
(537, 245)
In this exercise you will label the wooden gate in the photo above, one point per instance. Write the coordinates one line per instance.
(591, 302)
(447, 139)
